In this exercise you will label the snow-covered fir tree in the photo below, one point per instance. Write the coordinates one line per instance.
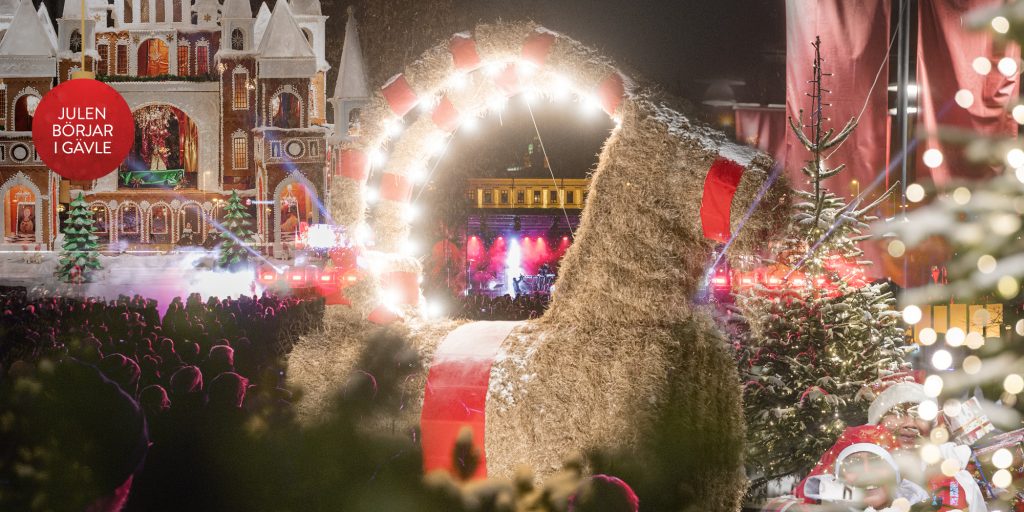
(815, 332)
(236, 234)
(79, 257)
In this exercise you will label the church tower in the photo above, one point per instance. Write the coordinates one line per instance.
(71, 42)
(351, 93)
(236, 62)
(312, 22)
(237, 26)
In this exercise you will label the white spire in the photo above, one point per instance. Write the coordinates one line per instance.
(351, 81)
(44, 18)
(262, 18)
(283, 37)
(306, 7)
(236, 9)
(26, 36)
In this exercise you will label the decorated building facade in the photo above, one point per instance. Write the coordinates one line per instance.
(223, 100)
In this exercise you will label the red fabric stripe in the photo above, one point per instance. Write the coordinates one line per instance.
(537, 47)
(610, 92)
(406, 284)
(446, 117)
(716, 205)
(456, 392)
(399, 95)
(464, 54)
(354, 164)
(395, 188)
(508, 80)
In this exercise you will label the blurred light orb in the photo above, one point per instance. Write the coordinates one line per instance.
(955, 337)
(939, 435)
(962, 195)
(942, 359)
(950, 467)
(1018, 114)
(933, 386)
(1008, 287)
(1001, 24)
(927, 336)
(975, 341)
(1002, 479)
(1002, 458)
(912, 314)
(928, 410)
(1015, 157)
(982, 66)
(932, 158)
(1019, 173)
(952, 407)
(1013, 384)
(930, 454)
(986, 264)
(1004, 223)
(915, 192)
(1007, 66)
(897, 248)
(964, 98)
(972, 365)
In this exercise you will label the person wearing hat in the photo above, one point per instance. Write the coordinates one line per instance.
(895, 409)
(860, 470)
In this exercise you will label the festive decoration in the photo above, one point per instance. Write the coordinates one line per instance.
(815, 338)
(79, 258)
(235, 233)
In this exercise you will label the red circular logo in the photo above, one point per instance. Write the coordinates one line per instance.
(83, 129)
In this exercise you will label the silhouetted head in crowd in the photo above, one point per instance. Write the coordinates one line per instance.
(187, 386)
(220, 360)
(227, 391)
(154, 400)
(121, 370)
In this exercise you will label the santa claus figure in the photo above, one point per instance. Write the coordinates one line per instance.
(895, 408)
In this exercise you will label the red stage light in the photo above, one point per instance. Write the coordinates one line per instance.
(774, 281)
(747, 280)
(351, 278)
(325, 278)
(719, 281)
(268, 277)
(296, 277)
(799, 282)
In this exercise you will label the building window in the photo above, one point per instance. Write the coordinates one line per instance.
(569, 196)
(275, 149)
(314, 149)
(144, 11)
(126, 12)
(75, 41)
(237, 40)
(240, 90)
(521, 197)
(536, 197)
(101, 65)
(488, 198)
(202, 60)
(183, 60)
(3, 105)
(309, 36)
(504, 197)
(553, 196)
(239, 152)
(122, 59)
(161, 16)
(176, 11)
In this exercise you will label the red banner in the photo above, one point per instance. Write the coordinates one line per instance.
(854, 46)
(946, 53)
(763, 128)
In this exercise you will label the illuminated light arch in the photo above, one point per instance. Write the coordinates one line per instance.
(479, 71)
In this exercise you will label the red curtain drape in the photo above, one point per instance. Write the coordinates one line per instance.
(854, 43)
(763, 128)
(946, 52)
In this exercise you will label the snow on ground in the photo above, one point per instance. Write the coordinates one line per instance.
(156, 276)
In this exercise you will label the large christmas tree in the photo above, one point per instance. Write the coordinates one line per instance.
(236, 233)
(816, 330)
(80, 257)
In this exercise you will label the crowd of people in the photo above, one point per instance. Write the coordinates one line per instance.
(146, 392)
(504, 307)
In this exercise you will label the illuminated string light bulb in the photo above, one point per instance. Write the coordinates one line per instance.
(493, 68)
(469, 124)
(377, 158)
(497, 102)
(371, 195)
(412, 212)
(1002, 479)
(964, 98)
(986, 264)
(409, 248)
(590, 103)
(915, 192)
(1002, 458)
(1013, 384)
(933, 386)
(982, 65)
(927, 336)
(418, 174)
(459, 80)
(896, 248)
(932, 158)
(955, 337)
(526, 68)
(972, 365)
(1001, 24)
(962, 195)
(1007, 66)
(562, 87)
(912, 314)
(436, 144)
(392, 127)
(942, 359)
(928, 410)
(1008, 287)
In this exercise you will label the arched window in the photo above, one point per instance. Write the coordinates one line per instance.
(126, 11)
(309, 36)
(354, 122)
(75, 41)
(176, 11)
(161, 15)
(237, 39)
(24, 110)
(239, 151)
(287, 111)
